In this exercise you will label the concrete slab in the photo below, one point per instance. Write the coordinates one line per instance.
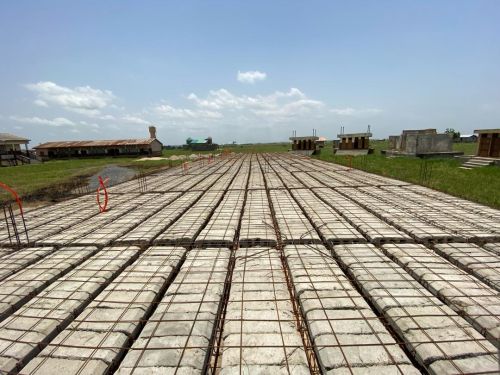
(473, 259)
(105, 329)
(465, 294)
(23, 285)
(39, 320)
(197, 289)
(117, 316)
(429, 328)
(345, 331)
(259, 329)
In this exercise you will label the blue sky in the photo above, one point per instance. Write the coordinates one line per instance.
(246, 71)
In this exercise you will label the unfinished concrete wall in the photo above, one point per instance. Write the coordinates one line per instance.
(427, 143)
(394, 142)
(405, 133)
(435, 143)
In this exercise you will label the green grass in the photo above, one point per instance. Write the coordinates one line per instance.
(181, 151)
(467, 148)
(243, 148)
(260, 147)
(52, 178)
(480, 185)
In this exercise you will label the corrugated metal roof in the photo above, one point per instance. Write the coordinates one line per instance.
(103, 143)
(6, 137)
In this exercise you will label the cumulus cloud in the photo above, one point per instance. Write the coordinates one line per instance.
(224, 99)
(56, 122)
(135, 120)
(219, 112)
(82, 99)
(40, 103)
(107, 117)
(251, 76)
(92, 125)
(167, 111)
(295, 108)
(275, 107)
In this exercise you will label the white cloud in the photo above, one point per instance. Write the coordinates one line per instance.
(40, 103)
(107, 117)
(296, 108)
(90, 125)
(275, 107)
(167, 111)
(251, 76)
(349, 111)
(82, 99)
(223, 99)
(57, 122)
(135, 120)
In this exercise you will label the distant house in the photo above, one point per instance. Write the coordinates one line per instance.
(201, 144)
(10, 143)
(65, 149)
(468, 138)
(11, 150)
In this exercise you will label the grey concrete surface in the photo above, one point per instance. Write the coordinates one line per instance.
(260, 332)
(275, 264)
(104, 330)
(179, 332)
(39, 320)
(438, 336)
(345, 331)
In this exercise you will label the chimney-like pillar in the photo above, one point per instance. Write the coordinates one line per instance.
(152, 132)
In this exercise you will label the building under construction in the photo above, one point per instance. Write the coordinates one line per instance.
(488, 143)
(307, 145)
(352, 143)
(253, 264)
(421, 143)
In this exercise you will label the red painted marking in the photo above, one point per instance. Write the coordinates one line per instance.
(102, 185)
(16, 197)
